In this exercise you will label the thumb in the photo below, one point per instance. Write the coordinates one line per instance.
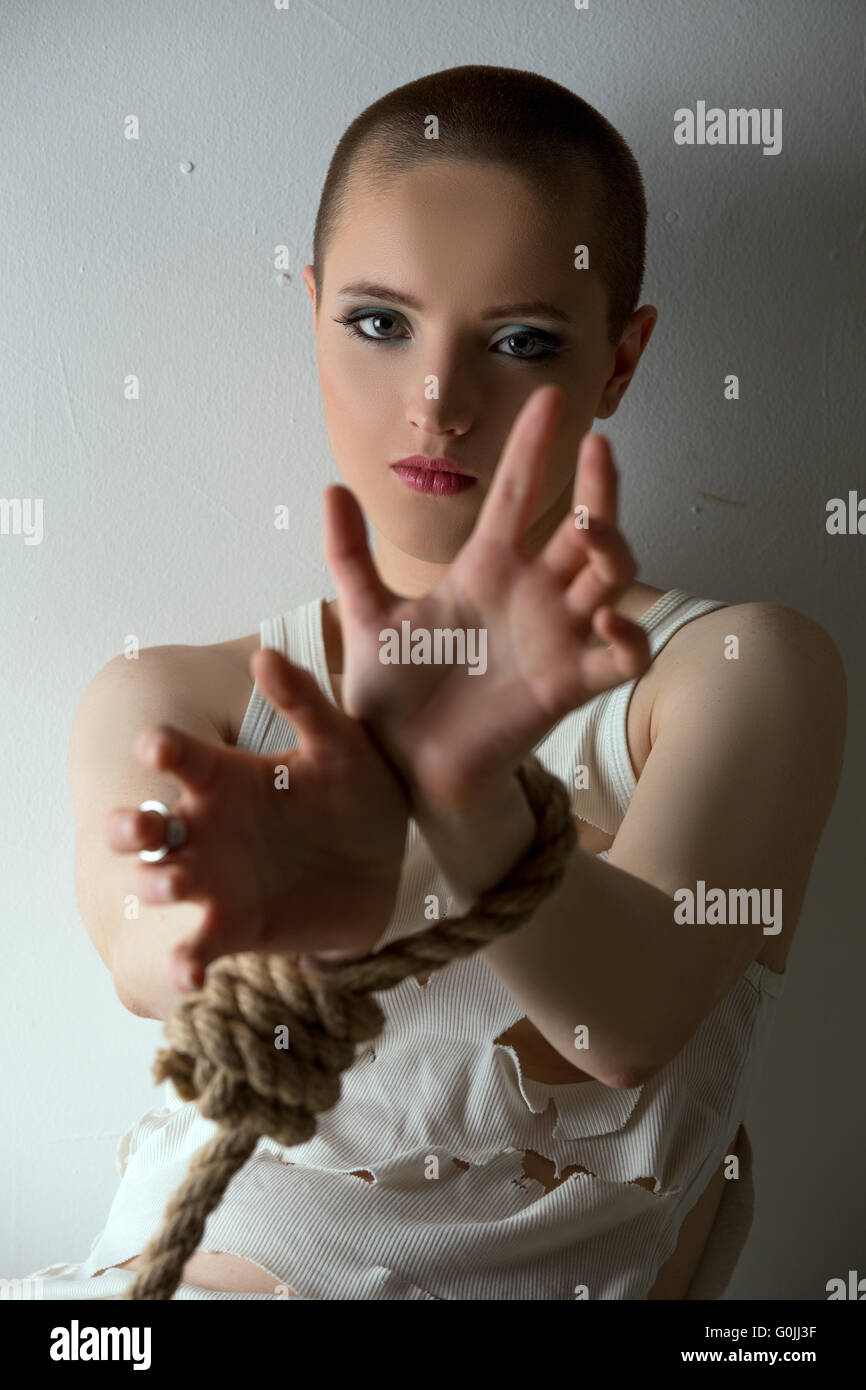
(360, 591)
(298, 697)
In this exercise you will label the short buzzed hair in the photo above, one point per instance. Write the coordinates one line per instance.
(518, 119)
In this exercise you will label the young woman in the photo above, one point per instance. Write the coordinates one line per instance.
(559, 1115)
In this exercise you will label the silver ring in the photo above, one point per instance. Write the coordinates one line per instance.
(175, 832)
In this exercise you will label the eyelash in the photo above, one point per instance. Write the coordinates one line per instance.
(552, 345)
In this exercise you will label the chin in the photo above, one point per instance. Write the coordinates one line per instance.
(437, 546)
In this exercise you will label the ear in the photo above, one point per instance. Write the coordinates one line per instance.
(310, 282)
(628, 353)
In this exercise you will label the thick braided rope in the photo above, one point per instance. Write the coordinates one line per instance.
(222, 1050)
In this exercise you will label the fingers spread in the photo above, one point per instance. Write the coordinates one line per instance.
(169, 883)
(296, 694)
(189, 958)
(625, 659)
(507, 509)
(565, 554)
(360, 591)
(168, 749)
(128, 830)
(597, 485)
(186, 969)
(610, 571)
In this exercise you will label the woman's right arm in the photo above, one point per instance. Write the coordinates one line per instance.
(166, 684)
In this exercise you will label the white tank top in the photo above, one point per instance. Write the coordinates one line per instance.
(440, 1114)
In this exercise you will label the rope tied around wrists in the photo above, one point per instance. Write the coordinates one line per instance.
(222, 1051)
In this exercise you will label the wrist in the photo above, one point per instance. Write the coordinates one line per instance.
(324, 959)
(476, 847)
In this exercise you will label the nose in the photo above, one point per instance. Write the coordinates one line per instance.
(442, 402)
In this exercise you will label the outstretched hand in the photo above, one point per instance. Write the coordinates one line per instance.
(449, 731)
(299, 850)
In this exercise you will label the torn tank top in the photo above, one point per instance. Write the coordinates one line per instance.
(440, 1115)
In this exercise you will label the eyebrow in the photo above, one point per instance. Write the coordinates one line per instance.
(497, 311)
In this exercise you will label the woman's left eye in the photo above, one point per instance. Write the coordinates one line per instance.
(545, 342)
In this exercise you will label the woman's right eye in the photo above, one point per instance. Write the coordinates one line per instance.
(351, 322)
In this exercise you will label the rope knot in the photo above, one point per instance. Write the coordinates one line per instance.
(224, 1051)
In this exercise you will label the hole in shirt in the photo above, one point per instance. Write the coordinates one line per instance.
(368, 1177)
(543, 1170)
(538, 1060)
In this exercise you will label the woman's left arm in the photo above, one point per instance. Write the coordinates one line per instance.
(743, 769)
(735, 793)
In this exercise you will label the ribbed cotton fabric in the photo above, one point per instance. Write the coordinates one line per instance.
(440, 1114)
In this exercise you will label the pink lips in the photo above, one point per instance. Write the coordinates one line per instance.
(439, 476)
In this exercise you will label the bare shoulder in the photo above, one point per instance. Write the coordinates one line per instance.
(784, 664)
(759, 629)
(758, 618)
(212, 680)
(748, 722)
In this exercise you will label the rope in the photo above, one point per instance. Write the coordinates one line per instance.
(222, 1051)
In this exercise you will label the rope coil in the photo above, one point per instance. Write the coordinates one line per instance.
(222, 1051)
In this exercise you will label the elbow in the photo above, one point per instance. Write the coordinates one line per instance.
(129, 1000)
(124, 997)
(630, 1078)
(618, 1078)
(610, 1071)
(118, 967)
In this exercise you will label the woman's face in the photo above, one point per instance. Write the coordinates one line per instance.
(439, 361)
